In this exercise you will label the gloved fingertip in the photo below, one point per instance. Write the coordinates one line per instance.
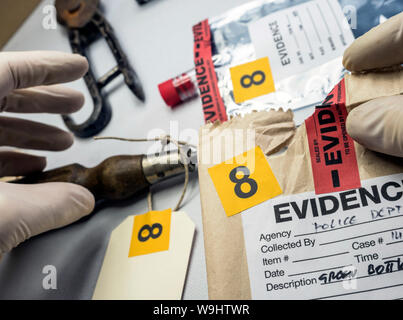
(41, 163)
(346, 62)
(357, 126)
(89, 203)
(75, 102)
(20, 164)
(82, 63)
(62, 141)
(352, 124)
(349, 58)
(27, 164)
(377, 125)
(84, 199)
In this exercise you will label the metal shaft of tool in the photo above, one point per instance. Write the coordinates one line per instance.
(160, 167)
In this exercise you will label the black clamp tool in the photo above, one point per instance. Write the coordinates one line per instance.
(86, 23)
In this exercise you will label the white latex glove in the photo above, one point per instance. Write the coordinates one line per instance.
(378, 124)
(26, 86)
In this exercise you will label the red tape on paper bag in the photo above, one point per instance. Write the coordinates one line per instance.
(213, 106)
(333, 157)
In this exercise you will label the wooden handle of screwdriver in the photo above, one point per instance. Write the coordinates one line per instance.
(116, 178)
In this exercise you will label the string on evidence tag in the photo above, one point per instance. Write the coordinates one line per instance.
(165, 141)
(151, 231)
(148, 254)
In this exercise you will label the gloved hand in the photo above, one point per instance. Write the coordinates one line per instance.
(378, 124)
(26, 86)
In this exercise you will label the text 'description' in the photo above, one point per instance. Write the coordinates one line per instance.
(342, 245)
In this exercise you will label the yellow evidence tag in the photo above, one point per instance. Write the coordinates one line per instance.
(252, 79)
(150, 233)
(160, 275)
(244, 181)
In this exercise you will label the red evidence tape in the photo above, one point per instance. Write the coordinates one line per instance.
(213, 106)
(333, 157)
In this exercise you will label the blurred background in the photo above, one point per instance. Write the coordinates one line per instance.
(15, 15)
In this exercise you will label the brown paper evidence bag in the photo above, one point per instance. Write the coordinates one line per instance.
(227, 269)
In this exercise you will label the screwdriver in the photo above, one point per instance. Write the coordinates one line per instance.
(119, 177)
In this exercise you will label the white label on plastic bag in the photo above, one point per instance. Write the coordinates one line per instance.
(301, 37)
(346, 245)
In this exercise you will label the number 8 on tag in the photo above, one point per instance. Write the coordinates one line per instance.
(150, 233)
(244, 181)
(252, 79)
(240, 181)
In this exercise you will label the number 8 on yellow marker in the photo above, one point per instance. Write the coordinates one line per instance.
(244, 181)
(252, 79)
(150, 233)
